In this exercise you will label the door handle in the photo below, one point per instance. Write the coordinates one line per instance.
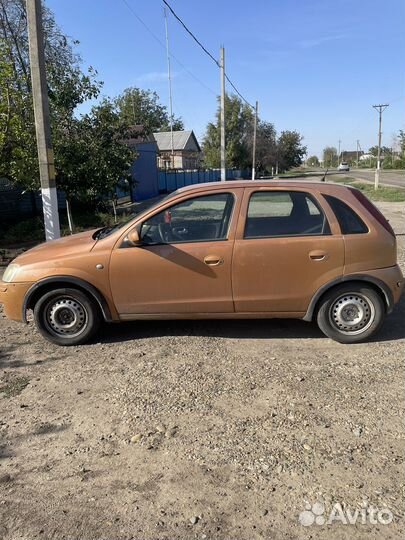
(318, 255)
(213, 260)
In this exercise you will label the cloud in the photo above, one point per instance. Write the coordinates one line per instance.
(153, 77)
(316, 41)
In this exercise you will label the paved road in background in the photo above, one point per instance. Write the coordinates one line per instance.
(393, 178)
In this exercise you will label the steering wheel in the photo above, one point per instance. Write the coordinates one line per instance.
(168, 234)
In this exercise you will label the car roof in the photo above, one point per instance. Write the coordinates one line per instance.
(262, 183)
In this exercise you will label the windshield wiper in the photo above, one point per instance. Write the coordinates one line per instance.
(101, 232)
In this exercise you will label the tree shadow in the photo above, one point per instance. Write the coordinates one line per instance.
(10, 357)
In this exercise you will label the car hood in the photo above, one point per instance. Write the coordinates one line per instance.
(65, 246)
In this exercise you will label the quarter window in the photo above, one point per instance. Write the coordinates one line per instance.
(284, 213)
(198, 219)
(349, 221)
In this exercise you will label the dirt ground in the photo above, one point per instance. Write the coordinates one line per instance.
(206, 430)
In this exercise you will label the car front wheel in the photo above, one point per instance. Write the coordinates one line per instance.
(351, 313)
(66, 317)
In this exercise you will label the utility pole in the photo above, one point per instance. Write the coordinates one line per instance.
(223, 155)
(380, 109)
(169, 76)
(42, 119)
(338, 160)
(357, 152)
(254, 141)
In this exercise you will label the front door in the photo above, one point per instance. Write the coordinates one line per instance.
(284, 252)
(184, 262)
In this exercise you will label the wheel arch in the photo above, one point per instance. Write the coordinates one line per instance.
(45, 285)
(378, 285)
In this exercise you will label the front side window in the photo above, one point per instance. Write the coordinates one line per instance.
(199, 219)
(284, 213)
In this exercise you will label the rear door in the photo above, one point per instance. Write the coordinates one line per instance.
(284, 251)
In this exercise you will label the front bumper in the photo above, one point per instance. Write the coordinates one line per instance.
(12, 297)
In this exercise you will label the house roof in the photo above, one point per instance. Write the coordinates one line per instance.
(136, 134)
(180, 140)
(350, 154)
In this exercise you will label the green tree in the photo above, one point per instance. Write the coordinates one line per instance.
(90, 156)
(330, 157)
(313, 161)
(95, 158)
(266, 146)
(401, 141)
(68, 86)
(142, 107)
(238, 133)
(290, 150)
(385, 151)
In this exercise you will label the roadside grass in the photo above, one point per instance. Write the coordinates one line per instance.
(388, 194)
(15, 387)
(383, 194)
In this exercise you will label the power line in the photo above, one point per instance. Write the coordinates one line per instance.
(164, 47)
(206, 51)
(191, 33)
(237, 91)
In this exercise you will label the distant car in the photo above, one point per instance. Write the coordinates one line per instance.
(224, 250)
(344, 166)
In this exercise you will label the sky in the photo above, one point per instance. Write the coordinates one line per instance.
(316, 66)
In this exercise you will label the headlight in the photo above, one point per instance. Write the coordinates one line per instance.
(11, 272)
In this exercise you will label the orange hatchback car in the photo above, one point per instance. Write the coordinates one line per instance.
(242, 249)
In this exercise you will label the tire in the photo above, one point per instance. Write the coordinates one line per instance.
(66, 317)
(351, 313)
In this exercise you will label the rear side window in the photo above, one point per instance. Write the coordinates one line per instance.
(349, 221)
(284, 213)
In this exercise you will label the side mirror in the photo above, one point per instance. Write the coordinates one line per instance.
(134, 238)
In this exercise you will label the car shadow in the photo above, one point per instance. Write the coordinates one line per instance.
(237, 328)
(392, 329)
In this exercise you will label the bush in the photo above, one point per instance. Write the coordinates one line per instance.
(30, 230)
(399, 164)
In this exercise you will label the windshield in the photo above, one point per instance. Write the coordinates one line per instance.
(137, 209)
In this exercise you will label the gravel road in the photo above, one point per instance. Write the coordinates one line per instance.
(206, 430)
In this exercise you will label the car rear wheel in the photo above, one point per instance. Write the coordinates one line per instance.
(351, 313)
(66, 317)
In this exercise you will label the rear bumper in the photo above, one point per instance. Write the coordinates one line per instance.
(394, 282)
(12, 297)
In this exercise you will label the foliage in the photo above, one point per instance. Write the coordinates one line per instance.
(313, 161)
(401, 141)
(385, 151)
(330, 157)
(30, 230)
(238, 133)
(142, 107)
(95, 158)
(68, 87)
(91, 157)
(290, 150)
(266, 146)
(285, 151)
